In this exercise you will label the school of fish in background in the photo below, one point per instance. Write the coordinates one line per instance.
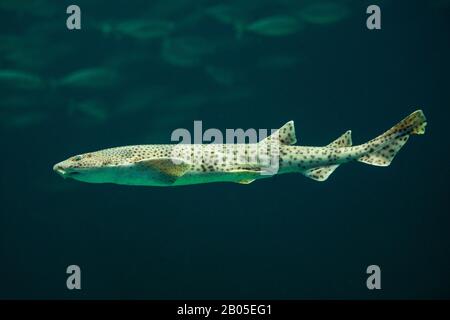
(207, 39)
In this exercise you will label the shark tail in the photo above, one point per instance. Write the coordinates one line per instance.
(383, 149)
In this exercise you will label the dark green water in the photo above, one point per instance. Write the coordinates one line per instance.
(285, 237)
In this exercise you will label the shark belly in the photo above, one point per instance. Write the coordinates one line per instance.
(196, 177)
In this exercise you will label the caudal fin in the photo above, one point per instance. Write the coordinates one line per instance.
(384, 148)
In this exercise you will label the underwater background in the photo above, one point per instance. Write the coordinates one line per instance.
(137, 70)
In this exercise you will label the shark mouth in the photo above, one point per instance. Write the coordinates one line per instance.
(64, 172)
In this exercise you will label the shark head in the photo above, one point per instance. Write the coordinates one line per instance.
(94, 167)
(132, 165)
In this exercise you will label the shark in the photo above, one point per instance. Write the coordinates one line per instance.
(187, 164)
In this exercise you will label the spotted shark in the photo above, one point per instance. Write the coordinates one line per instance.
(187, 164)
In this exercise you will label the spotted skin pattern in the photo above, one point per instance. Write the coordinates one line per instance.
(184, 164)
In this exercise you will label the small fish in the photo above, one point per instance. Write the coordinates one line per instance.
(20, 80)
(140, 29)
(225, 14)
(25, 52)
(324, 13)
(186, 51)
(221, 75)
(186, 164)
(90, 109)
(90, 78)
(281, 25)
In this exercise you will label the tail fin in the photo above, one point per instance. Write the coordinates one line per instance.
(384, 148)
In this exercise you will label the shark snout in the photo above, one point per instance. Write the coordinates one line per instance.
(60, 169)
(65, 169)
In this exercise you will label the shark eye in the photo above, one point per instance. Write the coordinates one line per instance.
(76, 158)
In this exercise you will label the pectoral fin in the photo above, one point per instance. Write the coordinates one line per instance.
(164, 169)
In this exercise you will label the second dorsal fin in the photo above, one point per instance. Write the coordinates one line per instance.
(344, 140)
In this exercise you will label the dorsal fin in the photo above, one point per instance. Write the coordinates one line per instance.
(343, 141)
(323, 173)
(286, 134)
